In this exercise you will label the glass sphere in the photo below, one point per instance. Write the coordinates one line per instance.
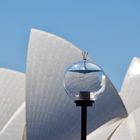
(84, 80)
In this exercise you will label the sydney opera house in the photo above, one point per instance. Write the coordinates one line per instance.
(34, 106)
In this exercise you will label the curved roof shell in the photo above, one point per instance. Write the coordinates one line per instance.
(130, 91)
(12, 113)
(50, 112)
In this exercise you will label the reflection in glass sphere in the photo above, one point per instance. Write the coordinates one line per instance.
(84, 77)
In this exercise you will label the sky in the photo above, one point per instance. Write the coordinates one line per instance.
(109, 30)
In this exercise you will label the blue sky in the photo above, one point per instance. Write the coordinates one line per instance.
(108, 29)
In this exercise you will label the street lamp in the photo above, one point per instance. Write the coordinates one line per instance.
(84, 81)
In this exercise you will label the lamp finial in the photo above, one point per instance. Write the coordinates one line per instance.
(84, 54)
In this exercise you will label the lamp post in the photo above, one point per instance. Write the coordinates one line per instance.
(84, 103)
(84, 81)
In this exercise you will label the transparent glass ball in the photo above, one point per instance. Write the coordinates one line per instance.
(84, 80)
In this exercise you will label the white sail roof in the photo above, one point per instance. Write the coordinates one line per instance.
(129, 127)
(104, 132)
(14, 128)
(50, 112)
(12, 112)
(130, 91)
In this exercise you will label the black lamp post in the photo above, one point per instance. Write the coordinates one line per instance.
(84, 103)
(84, 82)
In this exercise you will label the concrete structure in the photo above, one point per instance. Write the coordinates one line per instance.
(130, 91)
(129, 127)
(12, 106)
(50, 114)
